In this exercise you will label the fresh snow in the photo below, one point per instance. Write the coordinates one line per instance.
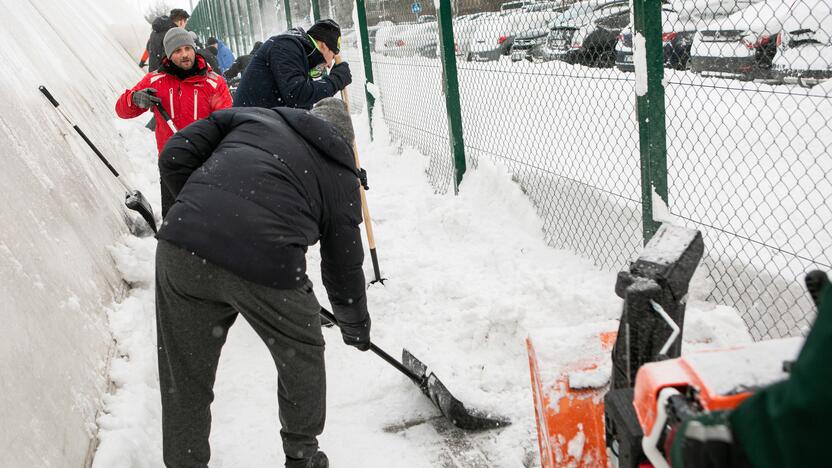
(469, 277)
(745, 368)
(640, 61)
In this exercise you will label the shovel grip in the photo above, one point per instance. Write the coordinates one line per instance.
(48, 95)
(162, 111)
(379, 352)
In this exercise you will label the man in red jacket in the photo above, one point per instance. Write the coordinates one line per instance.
(185, 86)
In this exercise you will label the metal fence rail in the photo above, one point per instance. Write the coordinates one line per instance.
(718, 109)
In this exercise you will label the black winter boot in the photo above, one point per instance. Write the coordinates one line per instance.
(319, 460)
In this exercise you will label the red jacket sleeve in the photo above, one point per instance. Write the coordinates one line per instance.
(222, 97)
(125, 107)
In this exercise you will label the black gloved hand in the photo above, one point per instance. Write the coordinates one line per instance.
(362, 177)
(145, 98)
(340, 75)
(356, 334)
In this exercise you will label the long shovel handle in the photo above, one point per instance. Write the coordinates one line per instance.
(380, 352)
(365, 209)
(166, 116)
(83, 135)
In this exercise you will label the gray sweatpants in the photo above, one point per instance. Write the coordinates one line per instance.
(196, 304)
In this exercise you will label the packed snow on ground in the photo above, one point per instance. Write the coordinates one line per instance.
(468, 278)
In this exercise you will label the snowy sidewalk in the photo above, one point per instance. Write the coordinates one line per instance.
(469, 277)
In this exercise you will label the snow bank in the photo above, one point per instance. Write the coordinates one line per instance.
(61, 209)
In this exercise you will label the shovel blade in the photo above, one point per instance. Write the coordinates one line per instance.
(137, 202)
(457, 413)
(451, 408)
(414, 365)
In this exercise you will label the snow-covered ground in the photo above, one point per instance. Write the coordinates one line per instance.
(469, 277)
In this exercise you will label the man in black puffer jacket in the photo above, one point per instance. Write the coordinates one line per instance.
(254, 188)
(155, 44)
(281, 72)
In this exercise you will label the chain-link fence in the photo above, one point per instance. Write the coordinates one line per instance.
(548, 89)
(551, 90)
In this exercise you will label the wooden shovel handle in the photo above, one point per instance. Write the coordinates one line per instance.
(368, 222)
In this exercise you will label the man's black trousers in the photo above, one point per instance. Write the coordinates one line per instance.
(196, 304)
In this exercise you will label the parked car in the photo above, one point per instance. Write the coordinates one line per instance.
(373, 30)
(552, 48)
(408, 40)
(593, 37)
(586, 34)
(804, 55)
(465, 30)
(743, 44)
(803, 58)
(534, 36)
(492, 37)
(677, 37)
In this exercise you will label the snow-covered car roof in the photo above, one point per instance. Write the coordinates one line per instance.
(773, 16)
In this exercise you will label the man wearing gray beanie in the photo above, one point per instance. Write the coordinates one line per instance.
(254, 189)
(185, 86)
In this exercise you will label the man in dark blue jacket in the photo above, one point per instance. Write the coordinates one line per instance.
(254, 188)
(280, 74)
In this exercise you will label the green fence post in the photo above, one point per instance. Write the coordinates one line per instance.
(238, 26)
(257, 19)
(451, 87)
(316, 11)
(288, 12)
(361, 11)
(227, 24)
(649, 61)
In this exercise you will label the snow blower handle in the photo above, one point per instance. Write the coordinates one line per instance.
(380, 353)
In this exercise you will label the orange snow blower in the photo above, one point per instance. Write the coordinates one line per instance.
(574, 407)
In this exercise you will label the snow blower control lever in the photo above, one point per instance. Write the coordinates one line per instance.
(654, 292)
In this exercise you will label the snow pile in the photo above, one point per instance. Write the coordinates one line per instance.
(745, 368)
(129, 428)
(61, 209)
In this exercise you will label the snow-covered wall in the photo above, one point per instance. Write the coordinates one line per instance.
(60, 210)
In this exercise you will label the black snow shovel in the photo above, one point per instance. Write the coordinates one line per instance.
(133, 199)
(451, 408)
(166, 116)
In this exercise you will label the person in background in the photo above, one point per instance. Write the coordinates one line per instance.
(185, 87)
(241, 63)
(280, 74)
(254, 189)
(209, 56)
(178, 18)
(224, 55)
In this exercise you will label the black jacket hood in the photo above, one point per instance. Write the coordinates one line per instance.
(163, 24)
(321, 135)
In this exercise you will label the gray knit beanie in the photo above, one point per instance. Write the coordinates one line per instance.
(176, 38)
(334, 111)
